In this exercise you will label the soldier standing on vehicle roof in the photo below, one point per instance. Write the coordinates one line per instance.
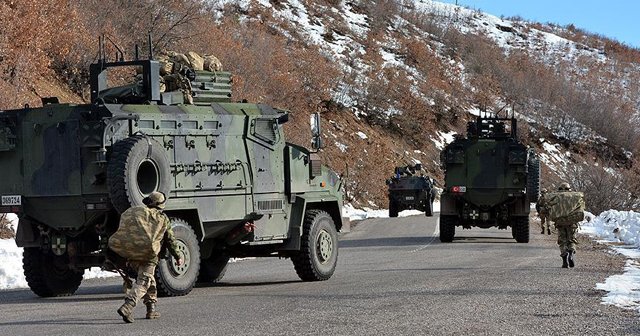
(139, 239)
(567, 228)
(543, 212)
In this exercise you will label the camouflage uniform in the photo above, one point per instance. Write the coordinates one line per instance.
(543, 212)
(139, 239)
(567, 227)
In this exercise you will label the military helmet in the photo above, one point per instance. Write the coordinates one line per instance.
(564, 186)
(155, 200)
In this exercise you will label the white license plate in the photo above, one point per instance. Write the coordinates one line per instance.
(12, 200)
(409, 198)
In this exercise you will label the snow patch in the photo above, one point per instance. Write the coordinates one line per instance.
(623, 227)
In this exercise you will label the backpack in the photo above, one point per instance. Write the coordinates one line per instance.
(566, 206)
(140, 234)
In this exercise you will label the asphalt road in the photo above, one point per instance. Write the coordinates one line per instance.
(394, 277)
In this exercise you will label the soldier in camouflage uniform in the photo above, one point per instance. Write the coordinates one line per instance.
(139, 239)
(543, 212)
(567, 228)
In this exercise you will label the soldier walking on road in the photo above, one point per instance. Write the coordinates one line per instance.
(568, 225)
(139, 238)
(543, 212)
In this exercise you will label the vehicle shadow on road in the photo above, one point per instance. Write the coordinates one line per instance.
(68, 321)
(246, 284)
(393, 241)
(91, 294)
(488, 239)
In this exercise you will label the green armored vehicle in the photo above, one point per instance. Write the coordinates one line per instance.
(236, 188)
(490, 180)
(409, 189)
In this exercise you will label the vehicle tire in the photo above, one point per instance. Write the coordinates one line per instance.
(173, 280)
(533, 179)
(520, 229)
(447, 228)
(318, 255)
(213, 269)
(393, 209)
(138, 166)
(49, 275)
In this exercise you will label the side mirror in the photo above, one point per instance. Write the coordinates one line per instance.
(316, 140)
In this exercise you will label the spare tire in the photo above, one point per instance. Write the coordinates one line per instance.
(533, 179)
(137, 167)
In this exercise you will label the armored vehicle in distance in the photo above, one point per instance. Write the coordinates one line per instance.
(490, 180)
(408, 190)
(235, 187)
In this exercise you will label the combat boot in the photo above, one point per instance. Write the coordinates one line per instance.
(570, 259)
(152, 313)
(126, 310)
(548, 231)
(565, 263)
(542, 231)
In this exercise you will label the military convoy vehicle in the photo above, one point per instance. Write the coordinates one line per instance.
(408, 190)
(490, 180)
(236, 188)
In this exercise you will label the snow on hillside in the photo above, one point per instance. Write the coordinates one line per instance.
(509, 34)
(345, 48)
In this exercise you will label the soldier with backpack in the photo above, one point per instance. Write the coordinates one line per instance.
(566, 209)
(543, 213)
(139, 239)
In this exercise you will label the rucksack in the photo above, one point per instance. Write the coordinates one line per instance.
(140, 233)
(565, 206)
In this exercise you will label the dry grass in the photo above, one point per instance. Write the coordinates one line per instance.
(6, 230)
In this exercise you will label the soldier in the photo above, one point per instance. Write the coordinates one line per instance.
(142, 231)
(567, 227)
(543, 212)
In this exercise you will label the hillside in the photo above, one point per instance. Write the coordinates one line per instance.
(393, 79)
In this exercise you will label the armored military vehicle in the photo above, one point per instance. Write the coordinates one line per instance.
(490, 179)
(410, 189)
(236, 188)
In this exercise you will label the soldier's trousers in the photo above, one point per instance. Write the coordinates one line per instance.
(145, 286)
(567, 239)
(544, 219)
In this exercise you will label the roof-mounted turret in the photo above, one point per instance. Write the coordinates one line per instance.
(172, 79)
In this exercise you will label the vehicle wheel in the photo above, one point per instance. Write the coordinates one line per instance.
(447, 228)
(393, 209)
(533, 179)
(49, 275)
(318, 253)
(520, 229)
(213, 269)
(174, 280)
(137, 167)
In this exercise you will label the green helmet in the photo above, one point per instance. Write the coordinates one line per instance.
(564, 186)
(155, 200)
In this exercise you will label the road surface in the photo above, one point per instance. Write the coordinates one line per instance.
(394, 277)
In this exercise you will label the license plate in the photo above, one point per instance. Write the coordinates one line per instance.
(12, 200)
(409, 198)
